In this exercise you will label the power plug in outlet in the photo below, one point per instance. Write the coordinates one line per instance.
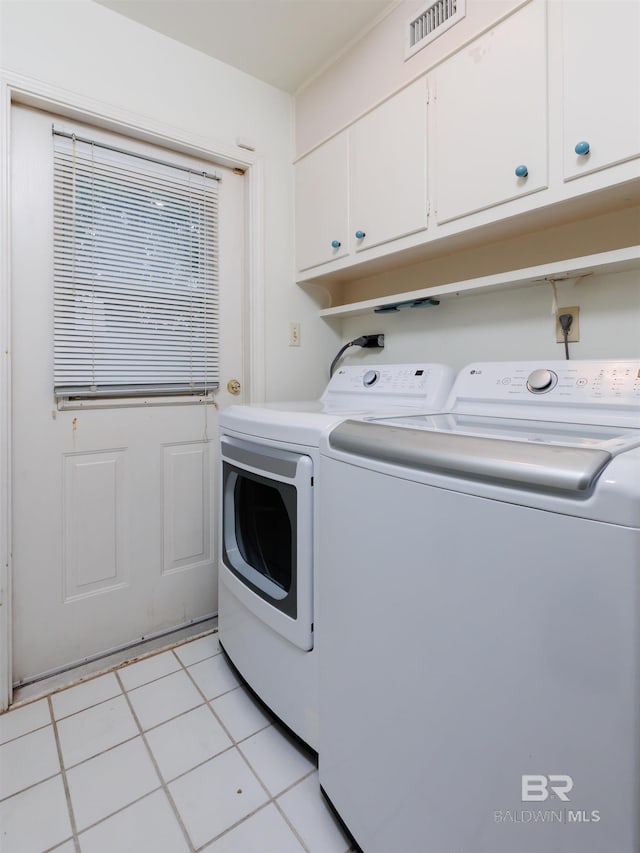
(574, 331)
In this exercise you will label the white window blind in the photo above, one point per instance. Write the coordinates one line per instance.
(135, 274)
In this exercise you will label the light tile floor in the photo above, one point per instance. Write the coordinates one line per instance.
(169, 754)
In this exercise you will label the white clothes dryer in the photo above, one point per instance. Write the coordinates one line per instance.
(479, 582)
(267, 608)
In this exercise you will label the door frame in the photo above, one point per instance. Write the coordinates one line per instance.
(18, 89)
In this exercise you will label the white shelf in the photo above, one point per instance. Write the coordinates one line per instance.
(618, 260)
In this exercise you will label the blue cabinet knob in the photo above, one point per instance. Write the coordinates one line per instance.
(582, 148)
(360, 235)
(522, 171)
(336, 244)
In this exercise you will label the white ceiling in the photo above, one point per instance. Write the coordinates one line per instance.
(283, 42)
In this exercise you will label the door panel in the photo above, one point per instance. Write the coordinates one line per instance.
(185, 522)
(94, 498)
(322, 180)
(113, 507)
(490, 121)
(601, 84)
(388, 158)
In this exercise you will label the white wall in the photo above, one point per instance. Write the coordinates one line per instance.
(510, 325)
(375, 67)
(96, 53)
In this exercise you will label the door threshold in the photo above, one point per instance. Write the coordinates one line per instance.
(102, 663)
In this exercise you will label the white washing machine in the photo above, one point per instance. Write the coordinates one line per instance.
(269, 483)
(479, 649)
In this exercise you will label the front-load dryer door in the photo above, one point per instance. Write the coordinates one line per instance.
(267, 536)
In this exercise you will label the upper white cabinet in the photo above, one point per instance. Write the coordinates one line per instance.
(506, 126)
(322, 187)
(491, 117)
(601, 84)
(388, 169)
(366, 186)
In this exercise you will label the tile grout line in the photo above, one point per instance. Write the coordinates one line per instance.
(23, 734)
(63, 775)
(234, 742)
(114, 670)
(104, 751)
(90, 708)
(238, 823)
(91, 676)
(163, 785)
(233, 746)
(205, 704)
(273, 797)
(283, 813)
(139, 799)
(30, 785)
(208, 702)
(38, 781)
(87, 708)
(123, 692)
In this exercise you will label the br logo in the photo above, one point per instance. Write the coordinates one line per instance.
(537, 788)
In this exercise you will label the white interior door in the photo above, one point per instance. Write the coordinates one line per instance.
(114, 507)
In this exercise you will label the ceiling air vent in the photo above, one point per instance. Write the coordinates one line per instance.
(430, 22)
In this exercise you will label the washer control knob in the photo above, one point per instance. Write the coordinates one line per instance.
(541, 380)
(370, 378)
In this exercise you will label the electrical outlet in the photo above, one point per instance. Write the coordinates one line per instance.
(294, 334)
(574, 331)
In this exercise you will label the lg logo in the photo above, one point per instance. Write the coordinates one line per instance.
(537, 788)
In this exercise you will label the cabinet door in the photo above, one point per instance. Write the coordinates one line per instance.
(388, 165)
(491, 117)
(322, 204)
(601, 85)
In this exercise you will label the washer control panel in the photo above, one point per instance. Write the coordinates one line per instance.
(370, 378)
(386, 378)
(542, 380)
(419, 385)
(565, 382)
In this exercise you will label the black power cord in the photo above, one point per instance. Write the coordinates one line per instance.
(365, 341)
(565, 321)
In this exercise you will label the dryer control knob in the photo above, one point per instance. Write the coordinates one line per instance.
(541, 380)
(370, 378)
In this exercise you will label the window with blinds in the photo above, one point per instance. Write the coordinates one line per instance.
(135, 274)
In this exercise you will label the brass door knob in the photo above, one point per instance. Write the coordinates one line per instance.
(233, 386)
